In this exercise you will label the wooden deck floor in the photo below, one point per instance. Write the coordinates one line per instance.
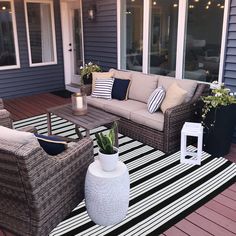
(216, 217)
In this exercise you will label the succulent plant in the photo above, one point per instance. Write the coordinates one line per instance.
(106, 141)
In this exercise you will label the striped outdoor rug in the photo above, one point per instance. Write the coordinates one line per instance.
(163, 191)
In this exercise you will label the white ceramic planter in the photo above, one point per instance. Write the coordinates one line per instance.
(109, 161)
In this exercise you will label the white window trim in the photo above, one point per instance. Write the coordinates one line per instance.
(181, 38)
(17, 66)
(53, 33)
(82, 29)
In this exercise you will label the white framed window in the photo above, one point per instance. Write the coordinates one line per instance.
(9, 50)
(179, 38)
(40, 28)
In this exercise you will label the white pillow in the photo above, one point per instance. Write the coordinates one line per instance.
(155, 100)
(15, 136)
(103, 88)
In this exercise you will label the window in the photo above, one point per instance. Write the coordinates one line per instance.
(203, 40)
(9, 52)
(175, 38)
(133, 34)
(40, 33)
(163, 40)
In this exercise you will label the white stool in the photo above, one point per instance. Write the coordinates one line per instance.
(195, 130)
(107, 194)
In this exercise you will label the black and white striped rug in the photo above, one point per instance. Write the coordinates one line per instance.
(163, 191)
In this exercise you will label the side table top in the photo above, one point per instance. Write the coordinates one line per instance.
(96, 170)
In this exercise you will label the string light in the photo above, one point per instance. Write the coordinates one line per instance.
(4, 8)
(191, 6)
(154, 3)
(175, 5)
(209, 3)
(196, 0)
(221, 6)
(207, 7)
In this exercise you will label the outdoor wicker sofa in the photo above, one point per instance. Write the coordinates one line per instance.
(38, 191)
(165, 137)
(5, 116)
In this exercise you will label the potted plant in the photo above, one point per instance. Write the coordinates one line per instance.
(108, 154)
(86, 72)
(218, 119)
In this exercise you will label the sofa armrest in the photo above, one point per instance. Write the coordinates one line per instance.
(5, 118)
(174, 119)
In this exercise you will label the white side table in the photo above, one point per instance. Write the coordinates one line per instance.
(195, 130)
(107, 193)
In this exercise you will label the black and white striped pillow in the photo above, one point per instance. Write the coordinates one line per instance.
(156, 98)
(103, 88)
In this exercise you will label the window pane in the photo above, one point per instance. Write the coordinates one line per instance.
(40, 32)
(133, 35)
(7, 46)
(163, 38)
(203, 40)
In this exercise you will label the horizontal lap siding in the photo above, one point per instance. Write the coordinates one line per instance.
(100, 36)
(32, 80)
(230, 57)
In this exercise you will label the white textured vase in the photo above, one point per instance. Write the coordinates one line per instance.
(109, 161)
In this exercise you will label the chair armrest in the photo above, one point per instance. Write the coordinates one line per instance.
(1, 104)
(5, 118)
(30, 129)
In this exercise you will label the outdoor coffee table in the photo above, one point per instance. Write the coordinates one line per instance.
(94, 118)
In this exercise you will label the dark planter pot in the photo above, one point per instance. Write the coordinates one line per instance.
(88, 79)
(217, 139)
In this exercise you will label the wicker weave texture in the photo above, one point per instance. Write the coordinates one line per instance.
(37, 190)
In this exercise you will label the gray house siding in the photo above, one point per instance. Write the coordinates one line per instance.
(32, 80)
(230, 57)
(100, 35)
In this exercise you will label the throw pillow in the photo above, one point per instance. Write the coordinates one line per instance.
(155, 100)
(174, 96)
(100, 75)
(120, 88)
(15, 136)
(51, 145)
(103, 88)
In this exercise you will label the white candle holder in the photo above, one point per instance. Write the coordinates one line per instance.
(79, 104)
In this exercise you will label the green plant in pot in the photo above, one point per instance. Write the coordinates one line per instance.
(86, 72)
(218, 119)
(108, 153)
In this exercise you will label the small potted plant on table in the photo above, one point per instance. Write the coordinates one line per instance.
(86, 72)
(218, 119)
(108, 153)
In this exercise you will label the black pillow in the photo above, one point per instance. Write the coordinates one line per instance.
(51, 145)
(119, 89)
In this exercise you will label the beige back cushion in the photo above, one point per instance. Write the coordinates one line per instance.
(120, 74)
(100, 75)
(174, 96)
(187, 85)
(142, 86)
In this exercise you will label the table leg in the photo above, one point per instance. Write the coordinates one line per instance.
(49, 124)
(78, 132)
(87, 133)
(116, 136)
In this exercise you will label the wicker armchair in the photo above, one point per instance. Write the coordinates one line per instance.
(38, 191)
(5, 116)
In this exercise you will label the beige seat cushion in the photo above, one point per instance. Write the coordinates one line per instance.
(124, 108)
(174, 96)
(100, 75)
(142, 86)
(97, 102)
(120, 74)
(187, 85)
(143, 117)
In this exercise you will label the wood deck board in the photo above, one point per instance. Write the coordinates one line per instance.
(210, 219)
